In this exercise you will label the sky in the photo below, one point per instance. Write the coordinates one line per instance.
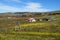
(29, 5)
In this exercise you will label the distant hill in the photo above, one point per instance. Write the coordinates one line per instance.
(28, 13)
(58, 11)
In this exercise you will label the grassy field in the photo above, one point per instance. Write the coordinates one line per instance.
(44, 30)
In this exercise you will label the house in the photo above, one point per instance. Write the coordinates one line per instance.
(31, 20)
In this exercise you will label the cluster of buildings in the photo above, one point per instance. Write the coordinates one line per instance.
(32, 19)
(41, 19)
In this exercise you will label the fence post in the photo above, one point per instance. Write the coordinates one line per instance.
(19, 27)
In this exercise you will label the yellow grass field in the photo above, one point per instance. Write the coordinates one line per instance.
(44, 24)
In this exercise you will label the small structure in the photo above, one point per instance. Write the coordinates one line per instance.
(44, 19)
(40, 19)
(9, 17)
(31, 20)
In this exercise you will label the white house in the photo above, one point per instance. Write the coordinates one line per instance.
(31, 20)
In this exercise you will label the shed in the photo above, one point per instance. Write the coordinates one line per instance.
(44, 19)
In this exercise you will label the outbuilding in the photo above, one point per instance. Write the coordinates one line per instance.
(44, 19)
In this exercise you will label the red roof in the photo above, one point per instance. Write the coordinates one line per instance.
(30, 18)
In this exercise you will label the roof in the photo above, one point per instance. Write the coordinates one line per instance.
(31, 19)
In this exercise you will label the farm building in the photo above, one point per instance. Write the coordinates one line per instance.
(44, 19)
(31, 20)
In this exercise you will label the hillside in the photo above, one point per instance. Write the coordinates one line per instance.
(25, 30)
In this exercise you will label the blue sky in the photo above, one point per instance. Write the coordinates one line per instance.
(29, 5)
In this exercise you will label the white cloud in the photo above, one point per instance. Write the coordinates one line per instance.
(34, 7)
(9, 8)
(29, 7)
